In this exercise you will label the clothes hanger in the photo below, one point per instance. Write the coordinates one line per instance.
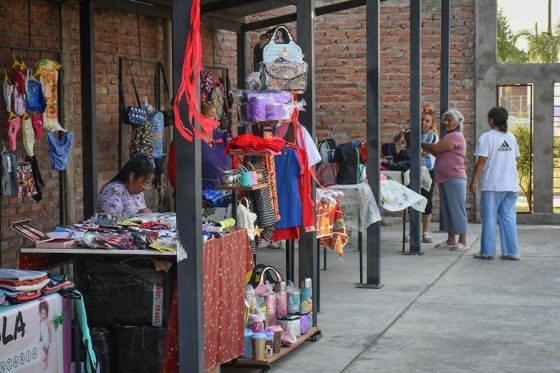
(12, 115)
(25, 116)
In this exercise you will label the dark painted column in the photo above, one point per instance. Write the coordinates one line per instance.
(444, 77)
(308, 260)
(373, 275)
(415, 125)
(188, 204)
(89, 131)
(242, 55)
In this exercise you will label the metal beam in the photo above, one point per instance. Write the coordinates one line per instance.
(190, 295)
(373, 136)
(89, 131)
(415, 117)
(308, 259)
(224, 5)
(144, 8)
(444, 72)
(327, 9)
(242, 59)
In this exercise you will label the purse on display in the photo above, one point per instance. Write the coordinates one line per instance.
(136, 115)
(348, 155)
(263, 274)
(284, 75)
(327, 173)
(327, 149)
(286, 48)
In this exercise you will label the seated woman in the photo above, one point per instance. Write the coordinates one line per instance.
(124, 194)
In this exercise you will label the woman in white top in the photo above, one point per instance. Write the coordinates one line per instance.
(496, 176)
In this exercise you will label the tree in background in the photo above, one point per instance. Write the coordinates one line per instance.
(524, 162)
(507, 39)
(543, 47)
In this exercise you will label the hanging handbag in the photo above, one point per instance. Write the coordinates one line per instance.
(327, 173)
(287, 49)
(348, 155)
(263, 274)
(284, 75)
(327, 149)
(136, 115)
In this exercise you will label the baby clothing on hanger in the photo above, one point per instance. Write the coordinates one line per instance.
(9, 174)
(49, 81)
(8, 91)
(14, 125)
(19, 101)
(59, 149)
(28, 136)
(37, 123)
(35, 98)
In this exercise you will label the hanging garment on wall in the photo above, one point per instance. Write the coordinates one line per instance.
(19, 101)
(8, 91)
(14, 125)
(35, 98)
(28, 135)
(59, 149)
(9, 175)
(37, 122)
(142, 141)
(21, 74)
(26, 183)
(39, 183)
(157, 134)
(49, 81)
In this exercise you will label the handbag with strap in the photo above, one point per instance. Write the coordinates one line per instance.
(136, 115)
(327, 149)
(287, 48)
(327, 173)
(348, 155)
(284, 75)
(263, 274)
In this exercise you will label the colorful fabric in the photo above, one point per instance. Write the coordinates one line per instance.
(142, 141)
(271, 178)
(37, 122)
(252, 143)
(288, 171)
(8, 91)
(26, 182)
(49, 81)
(19, 101)
(227, 261)
(14, 125)
(115, 199)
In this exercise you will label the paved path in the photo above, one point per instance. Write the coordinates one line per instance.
(441, 312)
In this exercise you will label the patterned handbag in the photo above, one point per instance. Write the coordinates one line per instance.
(136, 115)
(287, 48)
(284, 75)
(142, 141)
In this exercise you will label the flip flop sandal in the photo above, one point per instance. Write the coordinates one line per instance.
(62, 286)
(458, 247)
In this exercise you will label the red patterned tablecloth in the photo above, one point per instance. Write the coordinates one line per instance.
(226, 262)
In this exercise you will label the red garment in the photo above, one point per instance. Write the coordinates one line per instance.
(226, 260)
(252, 143)
(304, 183)
(285, 234)
(171, 172)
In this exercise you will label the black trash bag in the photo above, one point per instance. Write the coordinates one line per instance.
(122, 292)
(140, 349)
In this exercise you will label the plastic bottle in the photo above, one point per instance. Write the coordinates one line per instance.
(282, 300)
(306, 296)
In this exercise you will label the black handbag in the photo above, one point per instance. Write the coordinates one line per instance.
(136, 115)
(348, 155)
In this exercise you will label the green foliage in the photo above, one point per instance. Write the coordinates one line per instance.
(507, 39)
(542, 46)
(524, 161)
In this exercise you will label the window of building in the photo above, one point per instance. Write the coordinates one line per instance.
(528, 31)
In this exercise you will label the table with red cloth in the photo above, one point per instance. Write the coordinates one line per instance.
(226, 263)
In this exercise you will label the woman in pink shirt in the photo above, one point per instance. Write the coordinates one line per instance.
(450, 174)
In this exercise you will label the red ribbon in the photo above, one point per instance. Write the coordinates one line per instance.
(189, 87)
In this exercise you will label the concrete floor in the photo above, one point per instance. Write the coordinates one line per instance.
(440, 312)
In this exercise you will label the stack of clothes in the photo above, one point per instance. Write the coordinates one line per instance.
(18, 286)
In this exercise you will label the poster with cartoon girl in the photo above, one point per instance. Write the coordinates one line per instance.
(45, 332)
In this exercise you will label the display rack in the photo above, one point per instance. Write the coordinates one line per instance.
(242, 188)
(264, 365)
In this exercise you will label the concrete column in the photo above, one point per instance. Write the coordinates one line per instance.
(543, 144)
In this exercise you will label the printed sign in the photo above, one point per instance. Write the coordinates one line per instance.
(30, 341)
(157, 309)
